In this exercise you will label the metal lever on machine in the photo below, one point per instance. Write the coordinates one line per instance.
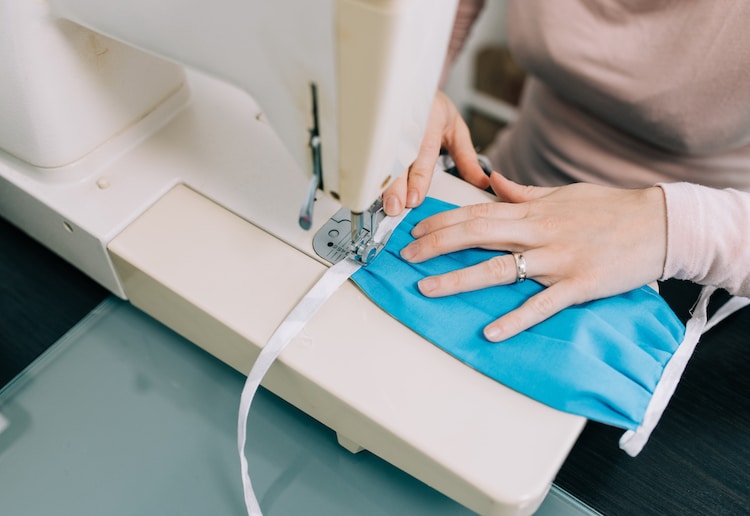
(316, 181)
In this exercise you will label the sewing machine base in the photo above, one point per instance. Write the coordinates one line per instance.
(196, 224)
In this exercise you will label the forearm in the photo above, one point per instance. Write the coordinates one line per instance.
(708, 234)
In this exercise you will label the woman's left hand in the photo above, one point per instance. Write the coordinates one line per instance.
(581, 241)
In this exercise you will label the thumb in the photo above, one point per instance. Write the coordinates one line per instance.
(510, 191)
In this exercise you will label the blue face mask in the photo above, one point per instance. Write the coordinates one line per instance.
(602, 360)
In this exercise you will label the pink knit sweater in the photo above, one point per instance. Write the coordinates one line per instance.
(634, 93)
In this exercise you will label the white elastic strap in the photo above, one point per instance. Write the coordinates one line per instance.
(735, 303)
(287, 330)
(633, 441)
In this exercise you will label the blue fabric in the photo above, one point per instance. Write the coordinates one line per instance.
(601, 359)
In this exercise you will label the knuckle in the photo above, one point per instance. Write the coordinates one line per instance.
(418, 173)
(431, 145)
(425, 227)
(478, 226)
(424, 175)
(586, 289)
(434, 240)
(542, 305)
(456, 279)
(482, 210)
(498, 268)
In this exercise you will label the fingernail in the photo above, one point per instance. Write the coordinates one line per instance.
(417, 231)
(391, 205)
(409, 252)
(427, 285)
(412, 198)
(493, 333)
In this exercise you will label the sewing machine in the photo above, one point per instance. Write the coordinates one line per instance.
(184, 155)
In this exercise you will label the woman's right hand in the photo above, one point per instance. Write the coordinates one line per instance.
(445, 129)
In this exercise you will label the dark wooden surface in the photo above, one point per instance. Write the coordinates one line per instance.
(698, 458)
(696, 462)
(41, 297)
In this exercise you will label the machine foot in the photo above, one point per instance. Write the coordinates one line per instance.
(348, 444)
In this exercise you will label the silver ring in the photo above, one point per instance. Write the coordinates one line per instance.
(520, 267)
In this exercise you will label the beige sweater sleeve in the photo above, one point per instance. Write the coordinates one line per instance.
(708, 236)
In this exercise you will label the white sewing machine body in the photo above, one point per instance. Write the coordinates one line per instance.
(170, 188)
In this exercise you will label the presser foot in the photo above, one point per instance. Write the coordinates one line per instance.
(339, 238)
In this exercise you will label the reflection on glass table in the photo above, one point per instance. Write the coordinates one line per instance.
(123, 416)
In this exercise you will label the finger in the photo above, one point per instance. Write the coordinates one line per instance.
(511, 191)
(499, 270)
(494, 210)
(419, 179)
(459, 145)
(480, 232)
(420, 172)
(536, 309)
(394, 197)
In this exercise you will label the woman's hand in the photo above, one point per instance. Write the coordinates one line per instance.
(581, 241)
(445, 129)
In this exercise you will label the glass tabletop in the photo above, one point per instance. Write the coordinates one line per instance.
(123, 416)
